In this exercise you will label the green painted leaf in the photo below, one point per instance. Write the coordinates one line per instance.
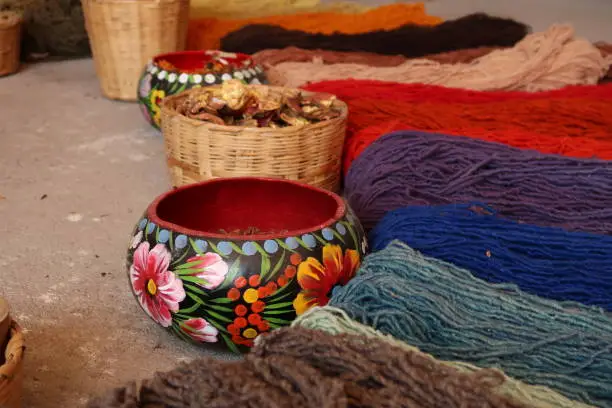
(350, 229)
(279, 305)
(267, 313)
(196, 299)
(278, 265)
(217, 325)
(237, 249)
(232, 273)
(216, 250)
(282, 322)
(180, 259)
(189, 309)
(219, 317)
(318, 238)
(188, 265)
(157, 234)
(303, 244)
(193, 279)
(221, 308)
(279, 295)
(221, 300)
(337, 235)
(171, 242)
(195, 289)
(265, 267)
(230, 344)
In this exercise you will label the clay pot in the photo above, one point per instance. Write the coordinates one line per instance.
(193, 69)
(228, 259)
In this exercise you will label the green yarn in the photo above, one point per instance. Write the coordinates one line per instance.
(335, 321)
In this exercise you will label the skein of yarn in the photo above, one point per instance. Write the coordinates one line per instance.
(206, 33)
(418, 168)
(270, 58)
(446, 311)
(545, 261)
(298, 367)
(336, 321)
(541, 61)
(474, 30)
(519, 119)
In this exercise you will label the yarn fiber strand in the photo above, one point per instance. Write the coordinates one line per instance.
(410, 40)
(545, 261)
(541, 61)
(446, 311)
(417, 168)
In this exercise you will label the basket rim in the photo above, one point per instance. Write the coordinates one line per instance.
(14, 353)
(119, 2)
(165, 108)
(151, 212)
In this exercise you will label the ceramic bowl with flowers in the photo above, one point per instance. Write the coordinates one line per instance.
(172, 73)
(225, 260)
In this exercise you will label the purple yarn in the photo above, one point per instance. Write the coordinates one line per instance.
(418, 168)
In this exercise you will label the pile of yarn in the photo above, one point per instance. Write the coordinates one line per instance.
(544, 60)
(446, 311)
(206, 33)
(417, 168)
(578, 126)
(411, 40)
(545, 261)
(299, 367)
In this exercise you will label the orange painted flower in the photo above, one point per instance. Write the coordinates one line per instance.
(318, 280)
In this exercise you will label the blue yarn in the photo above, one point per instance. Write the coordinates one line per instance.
(447, 312)
(545, 261)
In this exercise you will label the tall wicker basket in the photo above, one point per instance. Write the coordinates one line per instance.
(125, 34)
(198, 151)
(10, 42)
(11, 372)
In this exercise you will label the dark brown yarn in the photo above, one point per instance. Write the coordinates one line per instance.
(274, 382)
(378, 374)
(471, 31)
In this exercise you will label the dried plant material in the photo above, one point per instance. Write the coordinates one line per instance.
(236, 104)
(251, 231)
(218, 63)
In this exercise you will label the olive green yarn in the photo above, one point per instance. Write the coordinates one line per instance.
(335, 321)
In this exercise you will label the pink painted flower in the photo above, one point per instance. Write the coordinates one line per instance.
(159, 291)
(144, 87)
(209, 267)
(200, 330)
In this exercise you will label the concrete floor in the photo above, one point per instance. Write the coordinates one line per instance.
(76, 171)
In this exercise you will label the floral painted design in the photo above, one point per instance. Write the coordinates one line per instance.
(231, 291)
(155, 98)
(317, 280)
(158, 290)
(200, 330)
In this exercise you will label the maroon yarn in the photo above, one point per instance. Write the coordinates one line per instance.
(418, 168)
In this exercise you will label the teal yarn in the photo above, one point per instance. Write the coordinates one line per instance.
(544, 261)
(446, 311)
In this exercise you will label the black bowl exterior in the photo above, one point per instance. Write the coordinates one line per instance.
(208, 290)
(156, 83)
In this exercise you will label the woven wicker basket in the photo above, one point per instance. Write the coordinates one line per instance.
(198, 151)
(11, 373)
(125, 34)
(10, 42)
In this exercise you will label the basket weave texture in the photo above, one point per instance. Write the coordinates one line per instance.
(198, 151)
(125, 34)
(10, 42)
(11, 373)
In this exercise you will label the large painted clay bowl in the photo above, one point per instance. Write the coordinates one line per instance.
(228, 259)
(172, 73)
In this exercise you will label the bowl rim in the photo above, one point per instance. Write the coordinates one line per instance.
(244, 57)
(152, 216)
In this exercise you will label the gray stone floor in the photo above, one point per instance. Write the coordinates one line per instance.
(76, 171)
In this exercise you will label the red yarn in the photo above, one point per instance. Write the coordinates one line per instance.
(574, 121)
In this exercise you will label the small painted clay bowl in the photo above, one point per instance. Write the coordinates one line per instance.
(172, 73)
(228, 259)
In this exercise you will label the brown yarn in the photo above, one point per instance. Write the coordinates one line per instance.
(293, 54)
(376, 374)
(299, 367)
(271, 57)
(274, 382)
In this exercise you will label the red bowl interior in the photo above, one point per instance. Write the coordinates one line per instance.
(193, 60)
(271, 205)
